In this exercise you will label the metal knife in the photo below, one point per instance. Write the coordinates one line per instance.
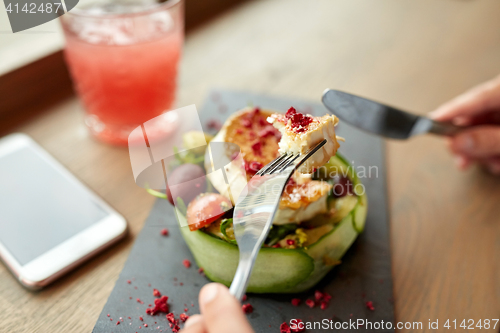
(380, 119)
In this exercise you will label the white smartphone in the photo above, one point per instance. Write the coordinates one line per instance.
(49, 221)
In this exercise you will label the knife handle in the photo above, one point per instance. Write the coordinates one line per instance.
(447, 129)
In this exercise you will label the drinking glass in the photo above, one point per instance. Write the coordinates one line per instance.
(123, 57)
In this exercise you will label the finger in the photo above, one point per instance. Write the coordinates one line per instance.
(194, 324)
(462, 162)
(483, 98)
(493, 165)
(221, 311)
(477, 142)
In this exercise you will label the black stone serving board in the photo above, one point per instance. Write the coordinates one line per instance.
(157, 261)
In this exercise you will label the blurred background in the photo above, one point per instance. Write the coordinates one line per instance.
(445, 232)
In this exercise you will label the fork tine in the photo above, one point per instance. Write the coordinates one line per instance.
(287, 164)
(271, 164)
(311, 152)
(278, 166)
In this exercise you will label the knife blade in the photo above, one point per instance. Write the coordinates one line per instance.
(381, 119)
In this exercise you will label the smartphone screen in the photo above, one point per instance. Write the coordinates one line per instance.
(40, 207)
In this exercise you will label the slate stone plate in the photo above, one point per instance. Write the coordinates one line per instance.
(364, 275)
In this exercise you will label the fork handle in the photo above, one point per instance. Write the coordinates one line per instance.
(242, 276)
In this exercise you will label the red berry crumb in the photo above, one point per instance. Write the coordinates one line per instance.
(299, 327)
(298, 121)
(247, 308)
(156, 293)
(284, 328)
(183, 317)
(246, 123)
(186, 263)
(369, 305)
(164, 232)
(296, 301)
(310, 303)
(257, 148)
(171, 318)
(141, 319)
(160, 306)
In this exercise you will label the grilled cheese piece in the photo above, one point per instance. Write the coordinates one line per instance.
(302, 132)
(258, 143)
(302, 199)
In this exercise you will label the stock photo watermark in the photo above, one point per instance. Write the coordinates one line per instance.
(26, 14)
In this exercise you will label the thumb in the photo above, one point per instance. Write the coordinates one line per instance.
(221, 311)
(477, 142)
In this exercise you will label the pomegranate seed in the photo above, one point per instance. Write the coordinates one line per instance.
(310, 303)
(129, 282)
(244, 298)
(296, 301)
(284, 328)
(299, 327)
(164, 232)
(186, 263)
(117, 323)
(369, 305)
(145, 325)
(290, 242)
(247, 308)
(183, 317)
(156, 293)
(176, 329)
(324, 305)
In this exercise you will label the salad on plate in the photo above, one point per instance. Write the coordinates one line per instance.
(321, 212)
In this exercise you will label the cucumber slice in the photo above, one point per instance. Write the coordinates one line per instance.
(328, 251)
(360, 213)
(276, 270)
(343, 206)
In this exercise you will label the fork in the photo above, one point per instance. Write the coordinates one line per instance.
(255, 209)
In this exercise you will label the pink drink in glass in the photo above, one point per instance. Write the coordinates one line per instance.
(124, 65)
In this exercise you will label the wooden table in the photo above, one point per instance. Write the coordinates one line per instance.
(445, 224)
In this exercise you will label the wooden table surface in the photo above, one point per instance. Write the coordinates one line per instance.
(445, 224)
